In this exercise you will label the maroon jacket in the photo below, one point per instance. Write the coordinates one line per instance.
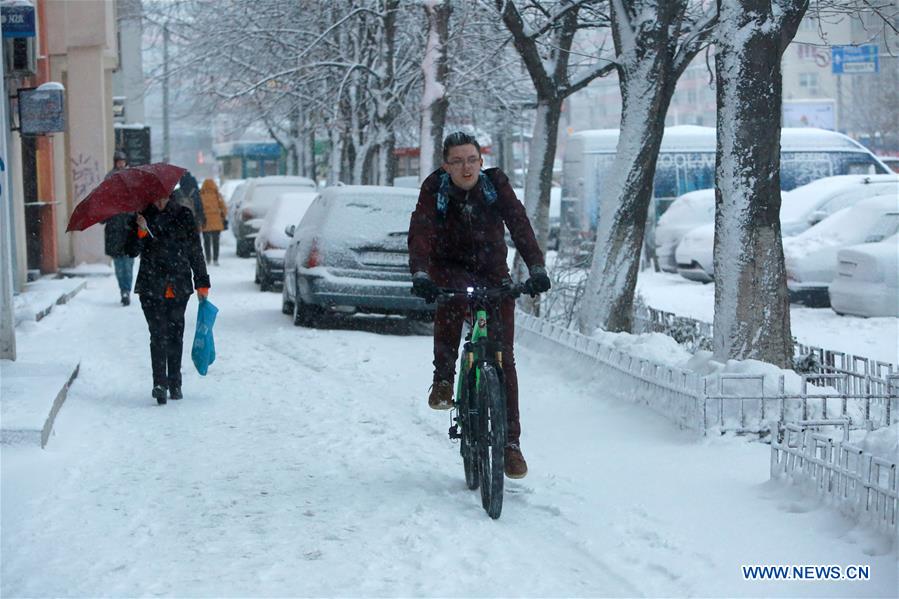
(470, 236)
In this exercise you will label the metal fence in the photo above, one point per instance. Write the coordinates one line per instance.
(861, 484)
(859, 376)
(743, 403)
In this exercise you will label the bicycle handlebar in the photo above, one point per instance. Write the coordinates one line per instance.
(482, 293)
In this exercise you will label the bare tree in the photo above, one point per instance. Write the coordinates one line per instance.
(543, 33)
(655, 40)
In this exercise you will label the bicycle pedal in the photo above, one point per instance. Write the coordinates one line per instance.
(454, 432)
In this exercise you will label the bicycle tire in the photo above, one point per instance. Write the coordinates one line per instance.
(467, 445)
(492, 440)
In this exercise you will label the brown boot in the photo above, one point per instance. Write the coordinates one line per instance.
(441, 397)
(516, 467)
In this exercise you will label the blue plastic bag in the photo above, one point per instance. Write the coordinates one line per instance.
(203, 351)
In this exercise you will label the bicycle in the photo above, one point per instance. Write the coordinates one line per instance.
(480, 411)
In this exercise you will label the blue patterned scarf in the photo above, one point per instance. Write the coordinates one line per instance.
(487, 188)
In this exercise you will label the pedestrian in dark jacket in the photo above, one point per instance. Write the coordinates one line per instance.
(116, 234)
(456, 239)
(170, 251)
(188, 194)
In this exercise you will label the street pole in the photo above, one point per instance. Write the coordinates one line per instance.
(839, 118)
(7, 312)
(166, 157)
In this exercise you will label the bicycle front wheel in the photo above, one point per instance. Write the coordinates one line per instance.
(492, 432)
(467, 446)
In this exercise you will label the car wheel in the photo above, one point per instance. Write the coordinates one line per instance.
(242, 251)
(305, 315)
(265, 283)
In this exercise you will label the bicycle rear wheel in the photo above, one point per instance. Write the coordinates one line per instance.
(467, 444)
(491, 406)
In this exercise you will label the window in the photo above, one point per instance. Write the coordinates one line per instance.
(883, 228)
(809, 83)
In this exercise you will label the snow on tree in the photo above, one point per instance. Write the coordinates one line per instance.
(752, 305)
(434, 99)
(654, 40)
(543, 33)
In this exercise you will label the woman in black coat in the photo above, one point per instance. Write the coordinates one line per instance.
(169, 247)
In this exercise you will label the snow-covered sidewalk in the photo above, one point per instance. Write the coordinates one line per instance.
(876, 338)
(308, 464)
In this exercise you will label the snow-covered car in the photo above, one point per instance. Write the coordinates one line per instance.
(695, 254)
(801, 208)
(227, 188)
(867, 280)
(891, 161)
(811, 256)
(349, 255)
(258, 198)
(808, 205)
(234, 203)
(274, 236)
(685, 213)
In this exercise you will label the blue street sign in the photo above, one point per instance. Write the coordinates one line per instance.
(17, 20)
(852, 60)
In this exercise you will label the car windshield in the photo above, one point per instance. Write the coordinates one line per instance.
(288, 210)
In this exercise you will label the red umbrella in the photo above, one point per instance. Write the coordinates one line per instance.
(127, 190)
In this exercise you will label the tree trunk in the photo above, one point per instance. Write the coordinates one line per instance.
(387, 160)
(647, 76)
(538, 184)
(623, 209)
(434, 102)
(752, 307)
(334, 171)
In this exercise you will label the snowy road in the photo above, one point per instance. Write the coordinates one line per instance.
(307, 464)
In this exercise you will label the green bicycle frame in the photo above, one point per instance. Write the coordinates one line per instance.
(479, 331)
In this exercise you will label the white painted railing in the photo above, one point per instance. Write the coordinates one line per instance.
(722, 402)
(862, 485)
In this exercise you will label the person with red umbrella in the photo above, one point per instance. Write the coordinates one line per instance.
(170, 251)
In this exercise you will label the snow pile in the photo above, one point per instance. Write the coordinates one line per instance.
(883, 442)
(762, 380)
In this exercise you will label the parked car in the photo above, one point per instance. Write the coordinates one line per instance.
(811, 256)
(234, 203)
(349, 255)
(695, 254)
(227, 188)
(258, 198)
(867, 280)
(891, 161)
(810, 204)
(800, 209)
(685, 213)
(274, 236)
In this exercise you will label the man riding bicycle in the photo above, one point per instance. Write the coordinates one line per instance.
(456, 239)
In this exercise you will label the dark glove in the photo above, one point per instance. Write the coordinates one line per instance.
(424, 287)
(226, 223)
(538, 283)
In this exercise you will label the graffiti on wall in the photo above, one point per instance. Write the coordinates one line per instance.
(85, 175)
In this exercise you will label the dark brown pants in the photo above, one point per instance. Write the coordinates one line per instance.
(448, 321)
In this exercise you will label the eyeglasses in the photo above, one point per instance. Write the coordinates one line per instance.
(470, 161)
